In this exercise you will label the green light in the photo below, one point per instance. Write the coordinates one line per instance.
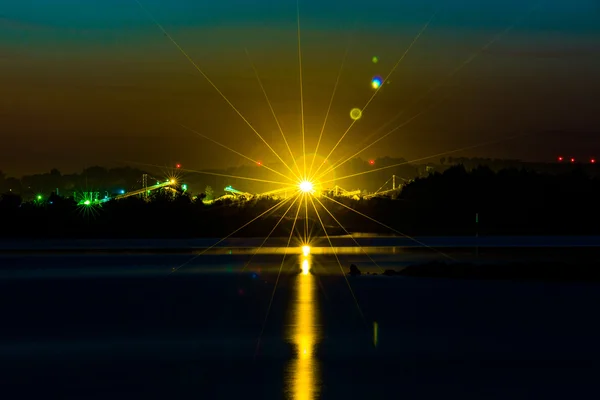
(87, 202)
(39, 196)
(184, 187)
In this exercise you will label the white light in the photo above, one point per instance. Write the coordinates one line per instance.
(306, 187)
(306, 250)
(305, 267)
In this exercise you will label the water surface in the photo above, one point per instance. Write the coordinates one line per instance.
(123, 325)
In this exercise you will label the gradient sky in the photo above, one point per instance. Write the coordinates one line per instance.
(96, 82)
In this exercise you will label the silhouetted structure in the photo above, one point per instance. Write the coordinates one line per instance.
(507, 202)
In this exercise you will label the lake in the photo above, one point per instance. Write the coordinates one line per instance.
(100, 324)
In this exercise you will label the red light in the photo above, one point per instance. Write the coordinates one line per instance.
(593, 161)
(259, 163)
(572, 160)
(560, 158)
(178, 165)
(372, 162)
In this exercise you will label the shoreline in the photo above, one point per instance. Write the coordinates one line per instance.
(280, 243)
(514, 271)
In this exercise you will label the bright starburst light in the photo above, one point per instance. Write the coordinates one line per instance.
(304, 187)
(305, 250)
(299, 174)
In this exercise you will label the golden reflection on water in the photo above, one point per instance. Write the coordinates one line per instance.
(302, 377)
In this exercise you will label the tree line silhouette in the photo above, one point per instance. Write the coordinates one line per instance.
(112, 181)
(507, 202)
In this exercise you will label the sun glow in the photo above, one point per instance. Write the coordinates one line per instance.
(306, 186)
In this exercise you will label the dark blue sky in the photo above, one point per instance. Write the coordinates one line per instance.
(579, 16)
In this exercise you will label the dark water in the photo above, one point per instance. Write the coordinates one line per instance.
(121, 326)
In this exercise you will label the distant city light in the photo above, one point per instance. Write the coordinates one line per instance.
(560, 158)
(372, 162)
(184, 187)
(39, 197)
(178, 166)
(259, 163)
(593, 161)
(572, 160)
(375, 59)
(121, 191)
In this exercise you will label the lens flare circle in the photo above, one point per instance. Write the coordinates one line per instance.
(376, 82)
(355, 114)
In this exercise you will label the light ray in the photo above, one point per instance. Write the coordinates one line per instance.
(349, 234)
(373, 143)
(301, 87)
(379, 88)
(175, 269)
(329, 107)
(262, 329)
(215, 174)
(234, 151)
(431, 156)
(339, 262)
(235, 176)
(390, 228)
(164, 31)
(270, 233)
(433, 88)
(306, 238)
(277, 191)
(273, 111)
(386, 182)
